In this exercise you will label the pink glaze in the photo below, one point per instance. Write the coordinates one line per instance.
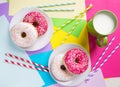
(76, 61)
(38, 21)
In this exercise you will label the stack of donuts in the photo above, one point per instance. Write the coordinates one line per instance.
(65, 67)
(25, 33)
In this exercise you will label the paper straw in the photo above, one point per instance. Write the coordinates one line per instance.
(75, 17)
(27, 61)
(99, 59)
(70, 32)
(91, 74)
(58, 9)
(23, 65)
(112, 52)
(72, 29)
(54, 5)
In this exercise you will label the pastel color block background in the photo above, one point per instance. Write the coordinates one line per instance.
(110, 69)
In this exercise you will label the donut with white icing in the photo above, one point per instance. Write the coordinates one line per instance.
(24, 34)
(59, 71)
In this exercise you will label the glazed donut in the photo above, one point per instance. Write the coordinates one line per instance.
(76, 61)
(24, 34)
(38, 21)
(58, 70)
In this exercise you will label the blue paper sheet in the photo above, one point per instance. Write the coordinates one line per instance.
(43, 58)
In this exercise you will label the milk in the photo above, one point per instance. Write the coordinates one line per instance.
(103, 23)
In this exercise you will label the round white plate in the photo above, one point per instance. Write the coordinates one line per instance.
(61, 50)
(42, 40)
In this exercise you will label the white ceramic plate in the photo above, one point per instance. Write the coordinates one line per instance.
(61, 50)
(42, 40)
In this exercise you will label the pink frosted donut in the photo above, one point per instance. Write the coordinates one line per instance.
(24, 34)
(76, 61)
(38, 21)
(58, 70)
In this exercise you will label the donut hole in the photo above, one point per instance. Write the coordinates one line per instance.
(77, 60)
(23, 34)
(35, 24)
(62, 67)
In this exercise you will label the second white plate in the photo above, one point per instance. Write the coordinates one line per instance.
(61, 50)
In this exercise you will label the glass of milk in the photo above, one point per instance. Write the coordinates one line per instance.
(101, 25)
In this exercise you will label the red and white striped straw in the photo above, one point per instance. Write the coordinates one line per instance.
(43, 68)
(19, 64)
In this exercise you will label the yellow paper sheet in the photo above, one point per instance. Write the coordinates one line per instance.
(16, 5)
(59, 36)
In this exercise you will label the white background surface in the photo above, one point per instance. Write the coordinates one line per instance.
(1, 1)
(113, 82)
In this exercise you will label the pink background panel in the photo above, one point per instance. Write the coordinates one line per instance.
(112, 67)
